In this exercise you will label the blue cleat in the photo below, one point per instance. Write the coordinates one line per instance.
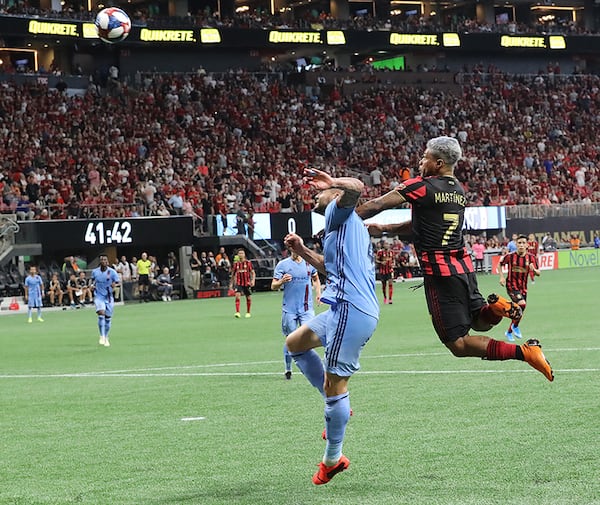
(516, 332)
(509, 336)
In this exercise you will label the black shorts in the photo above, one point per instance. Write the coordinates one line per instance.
(453, 302)
(143, 280)
(517, 296)
(245, 290)
(385, 277)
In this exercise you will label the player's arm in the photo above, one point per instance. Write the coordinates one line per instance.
(25, 291)
(390, 200)
(379, 230)
(533, 266)
(502, 279)
(352, 188)
(252, 276)
(296, 244)
(277, 283)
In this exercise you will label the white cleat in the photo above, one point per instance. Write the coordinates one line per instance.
(106, 342)
(101, 340)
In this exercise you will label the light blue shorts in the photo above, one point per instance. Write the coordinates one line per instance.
(343, 330)
(290, 321)
(102, 304)
(35, 302)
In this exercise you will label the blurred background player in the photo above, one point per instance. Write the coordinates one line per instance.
(521, 264)
(104, 280)
(533, 247)
(34, 293)
(244, 277)
(384, 260)
(297, 278)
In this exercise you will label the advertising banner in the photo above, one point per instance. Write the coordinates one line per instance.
(579, 259)
(184, 35)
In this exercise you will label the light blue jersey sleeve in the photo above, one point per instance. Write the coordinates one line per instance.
(348, 255)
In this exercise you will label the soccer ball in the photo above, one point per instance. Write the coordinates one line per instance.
(113, 25)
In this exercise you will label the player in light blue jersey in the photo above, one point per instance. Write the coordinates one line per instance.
(104, 280)
(346, 327)
(34, 294)
(297, 278)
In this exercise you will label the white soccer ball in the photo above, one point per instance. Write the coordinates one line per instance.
(113, 25)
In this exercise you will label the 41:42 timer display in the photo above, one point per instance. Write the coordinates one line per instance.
(99, 233)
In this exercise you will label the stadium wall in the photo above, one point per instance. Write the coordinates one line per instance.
(561, 228)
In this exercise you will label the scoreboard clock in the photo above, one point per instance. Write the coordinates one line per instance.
(100, 232)
(78, 234)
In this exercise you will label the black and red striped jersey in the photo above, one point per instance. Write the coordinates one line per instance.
(242, 272)
(518, 270)
(438, 213)
(385, 261)
(533, 247)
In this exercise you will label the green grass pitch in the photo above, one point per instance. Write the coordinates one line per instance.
(84, 424)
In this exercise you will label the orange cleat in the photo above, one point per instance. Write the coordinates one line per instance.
(326, 473)
(503, 307)
(532, 352)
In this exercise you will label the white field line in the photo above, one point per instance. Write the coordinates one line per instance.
(256, 374)
(161, 371)
(271, 362)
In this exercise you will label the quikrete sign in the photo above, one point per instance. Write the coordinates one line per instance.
(276, 37)
(527, 42)
(48, 28)
(413, 39)
(147, 35)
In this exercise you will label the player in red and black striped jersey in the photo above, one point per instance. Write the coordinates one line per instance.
(438, 206)
(521, 264)
(384, 261)
(243, 277)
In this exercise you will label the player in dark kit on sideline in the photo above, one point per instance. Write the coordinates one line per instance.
(453, 299)
(384, 260)
(521, 264)
(244, 277)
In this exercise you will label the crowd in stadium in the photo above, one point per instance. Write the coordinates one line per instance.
(258, 19)
(196, 145)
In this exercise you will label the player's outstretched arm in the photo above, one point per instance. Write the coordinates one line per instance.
(390, 200)
(296, 244)
(378, 230)
(352, 188)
